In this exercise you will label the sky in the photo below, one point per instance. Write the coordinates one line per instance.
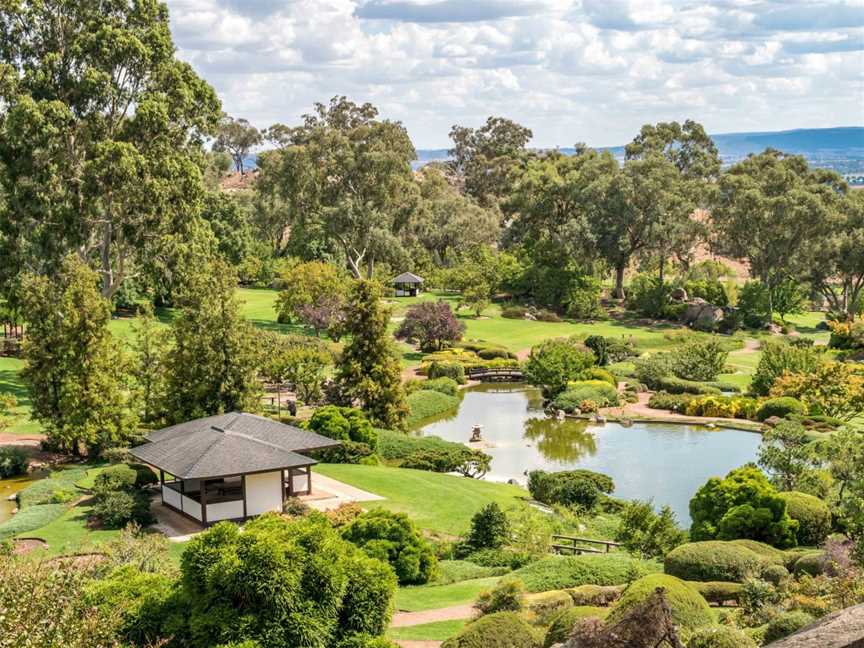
(572, 71)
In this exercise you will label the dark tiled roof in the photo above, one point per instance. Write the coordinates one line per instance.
(409, 278)
(229, 444)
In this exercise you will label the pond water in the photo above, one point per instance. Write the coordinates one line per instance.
(663, 461)
(11, 486)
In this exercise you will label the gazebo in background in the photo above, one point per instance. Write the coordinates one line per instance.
(231, 466)
(408, 284)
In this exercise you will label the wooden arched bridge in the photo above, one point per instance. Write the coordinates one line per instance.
(496, 374)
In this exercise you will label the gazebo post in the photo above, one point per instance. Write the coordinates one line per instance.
(204, 501)
(243, 486)
(162, 485)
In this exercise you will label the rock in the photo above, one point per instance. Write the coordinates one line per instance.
(599, 418)
(822, 326)
(774, 329)
(679, 295)
(772, 421)
(700, 314)
(843, 629)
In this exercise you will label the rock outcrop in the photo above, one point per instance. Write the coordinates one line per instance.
(843, 629)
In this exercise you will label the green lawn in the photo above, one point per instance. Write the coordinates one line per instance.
(436, 502)
(437, 631)
(432, 597)
(70, 534)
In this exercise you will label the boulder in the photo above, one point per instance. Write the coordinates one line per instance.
(772, 421)
(679, 295)
(700, 314)
(843, 629)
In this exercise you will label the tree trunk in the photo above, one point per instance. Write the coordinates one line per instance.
(618, 292)
(370, 266)
(662, 267)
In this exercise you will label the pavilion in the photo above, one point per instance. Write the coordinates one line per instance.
(408, 284)
(231, 466)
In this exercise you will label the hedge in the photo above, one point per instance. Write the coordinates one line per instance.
(456, 571)
(713, 560)
(812, 563)
(452, 370)
(675, 385)
(689, 609)
(546, 605)
(780, 407)
(785, 624)
(565, 572)
(813, 515)
(563, 624)
(765, 551)
(424, 404)
(31, 518)
(596, 373)
(595, 595)
(499, 630)
(720, 636)
(444, 385)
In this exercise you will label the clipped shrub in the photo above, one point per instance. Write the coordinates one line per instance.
(713, 561)
(495, 558)
(116, 455)
(553, 363)
(739, 407)
(501, 630)
(456, 571)
(545, 606)
(781, 407)
(443, 385)
(13, 462)
(514, 312)
(344, 424)
(119, 477)
(675, 385)
(689, 609)
(652, 369)
(489, 528)
(452, 370)
(812, 514)
(785, 624)
(569, 488)
(720, 636)
(775, 574)
(563, 624)
(778, 358)
(116, 509)
(393, 538)
(768, 553)
(672, 402)
(508, 595)
(595, 595)
(700, 360)
(565, 572)
(597, 373)
(719, 592)
(813, 563)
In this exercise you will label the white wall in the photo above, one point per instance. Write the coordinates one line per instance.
(170, 496)
(225, 511)
(191, 507)
(264, 492)
(300, 483)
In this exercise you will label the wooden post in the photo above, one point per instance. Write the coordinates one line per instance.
(243, 486)
(204, 501)
(162, 485)
(308, 480)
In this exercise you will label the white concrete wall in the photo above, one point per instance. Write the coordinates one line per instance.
(300, 483)
(264, 492)
(225, 511)
(170, 496)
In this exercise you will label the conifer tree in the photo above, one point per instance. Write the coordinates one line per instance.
(76, 372)
(369, 372)
(150, 346)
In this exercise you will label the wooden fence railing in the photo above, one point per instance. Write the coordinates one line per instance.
(571, 545)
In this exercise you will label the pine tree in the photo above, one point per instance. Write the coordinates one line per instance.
(369, 372)
(76, 372)
(150, 347)
(212, 366)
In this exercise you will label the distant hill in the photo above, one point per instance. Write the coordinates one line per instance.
(841, 149)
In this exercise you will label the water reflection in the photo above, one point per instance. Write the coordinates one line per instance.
(666, 462)
(561, 441)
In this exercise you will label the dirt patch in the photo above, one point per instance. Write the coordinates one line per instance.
(7, 438)
(79, 561)
(23, 546)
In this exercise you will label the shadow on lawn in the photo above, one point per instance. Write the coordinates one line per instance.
(10, 383)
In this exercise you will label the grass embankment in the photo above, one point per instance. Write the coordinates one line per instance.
(435, 502)
(432, 597)
(426, 404)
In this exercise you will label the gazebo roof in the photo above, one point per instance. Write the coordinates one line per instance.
(229, 444)
(408, 278)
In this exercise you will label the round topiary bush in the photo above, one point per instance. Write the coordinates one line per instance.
(785, 624)
(813, 515)
(780, 407)
(717, 636)
(813, 563)
(562, 625)
(719, 592)
(547, 605)
(689, 609)
(501, 630)
(713, 560)
(119, 477)
(775, 574)
(765, 551)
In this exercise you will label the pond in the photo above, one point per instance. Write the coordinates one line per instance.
(664, 461)
(12, 485)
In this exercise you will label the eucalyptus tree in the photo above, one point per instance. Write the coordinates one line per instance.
(237, 137)
(771, 209)
(345, 176)
(485, 157)
(100, 134)
(693, 153)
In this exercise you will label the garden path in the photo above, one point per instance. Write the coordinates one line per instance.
(405, 619)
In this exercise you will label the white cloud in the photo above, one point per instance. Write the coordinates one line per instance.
(571, 70)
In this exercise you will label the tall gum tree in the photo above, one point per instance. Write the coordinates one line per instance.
(100, 134)
(346, 175)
